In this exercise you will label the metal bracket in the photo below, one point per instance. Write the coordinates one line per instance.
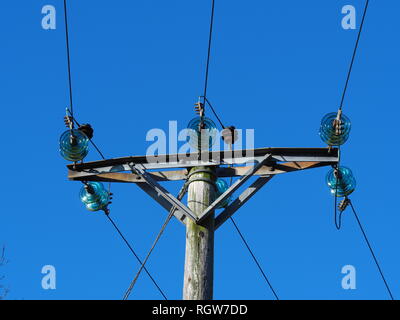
(176, 175)
(234, 187)
(241, 200)
(157, 192)
(214, 158)
(269, 162)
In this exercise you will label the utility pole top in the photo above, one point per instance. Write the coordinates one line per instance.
(200, 171)
(147, 173)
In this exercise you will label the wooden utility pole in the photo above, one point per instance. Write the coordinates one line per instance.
(199, 260)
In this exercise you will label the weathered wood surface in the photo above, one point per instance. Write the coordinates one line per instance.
(199, 259)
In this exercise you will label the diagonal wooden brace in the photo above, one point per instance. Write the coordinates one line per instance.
(241, 200)
(162, 201)
(156, 191)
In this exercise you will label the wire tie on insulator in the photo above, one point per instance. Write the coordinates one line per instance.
(199, 108)
(344, 204)
(337, 123)
(69, 122)
(68, 119)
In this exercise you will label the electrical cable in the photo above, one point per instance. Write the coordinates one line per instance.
(204, 96)
(338, 226)
(71, 112)
(214, 112)
(338, 222)
(119, 231)
(169, 217)
(249, 249)
(354, 55)
(254, 258)
(129, 290)
(68, 58)
(71, 108)
(136, 256)
(90, 140)
(209, 49)
(206, 101)
(371, 250)
(114, 224)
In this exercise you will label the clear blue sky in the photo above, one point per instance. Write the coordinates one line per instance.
(277, 67)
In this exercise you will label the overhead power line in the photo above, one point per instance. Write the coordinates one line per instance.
(354, 55)
(254, 258)
(71, 107)
(338, 221)
(136, 256)
(116, 227)
(71, 104)
(371, 250)
(68, 58)
(209, 49)
(206, 101)
(91, 140)
(169, 217)
(214, 112)
(180, 196)
(250, 250)
(71, 112)
(142, 267)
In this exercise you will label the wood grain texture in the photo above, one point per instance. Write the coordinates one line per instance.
(199, 259)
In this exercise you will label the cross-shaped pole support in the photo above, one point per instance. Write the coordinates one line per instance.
(200, 173)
